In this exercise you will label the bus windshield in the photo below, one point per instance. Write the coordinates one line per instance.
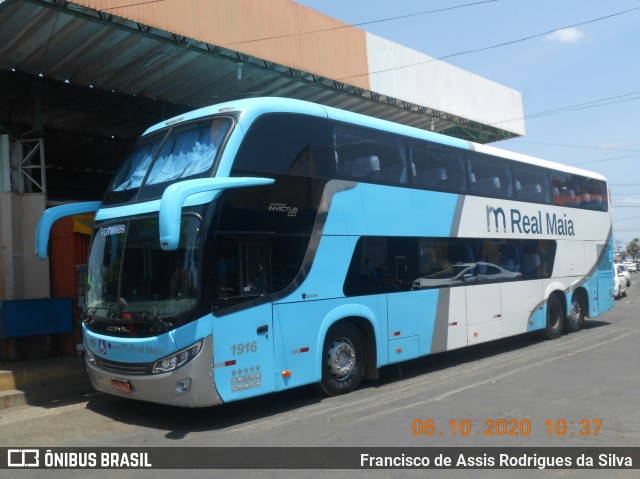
(131, 277)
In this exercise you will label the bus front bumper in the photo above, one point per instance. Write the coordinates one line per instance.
(191, 385)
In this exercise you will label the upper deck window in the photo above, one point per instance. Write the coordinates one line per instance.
(185, 151)
(188, 151)
(288, 144)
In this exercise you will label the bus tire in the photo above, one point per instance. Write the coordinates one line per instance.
(343, 359)
(575, 318)
(555, 318)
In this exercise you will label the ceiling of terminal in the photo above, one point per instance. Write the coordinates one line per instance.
(90, 83)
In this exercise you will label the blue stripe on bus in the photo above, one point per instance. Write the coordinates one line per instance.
(365, 211)
(146, 350)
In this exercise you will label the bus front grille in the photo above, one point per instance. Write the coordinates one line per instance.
(133, 369)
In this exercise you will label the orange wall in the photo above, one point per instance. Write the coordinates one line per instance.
(273, 30)
(68, 249)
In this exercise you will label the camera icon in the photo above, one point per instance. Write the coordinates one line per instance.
(23, 458)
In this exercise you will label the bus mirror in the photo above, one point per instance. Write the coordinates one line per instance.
(51, 215)
(183, 194)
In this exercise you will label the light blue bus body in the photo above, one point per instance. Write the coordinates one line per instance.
(366, 244)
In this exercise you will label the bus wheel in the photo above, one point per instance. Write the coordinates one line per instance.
(343, 359)
(555, 318)
(575, 318)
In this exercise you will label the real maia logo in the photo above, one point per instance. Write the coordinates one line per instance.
(536, 224)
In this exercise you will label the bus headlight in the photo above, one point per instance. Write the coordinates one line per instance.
(177, 360)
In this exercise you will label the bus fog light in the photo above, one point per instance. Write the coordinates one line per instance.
(177, 360)
(183, 386)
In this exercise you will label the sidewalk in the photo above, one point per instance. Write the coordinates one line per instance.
(41, 381)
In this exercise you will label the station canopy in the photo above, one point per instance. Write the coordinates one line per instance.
(89, 76)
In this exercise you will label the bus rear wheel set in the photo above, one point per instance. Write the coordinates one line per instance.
(576, 316)
(557, 322)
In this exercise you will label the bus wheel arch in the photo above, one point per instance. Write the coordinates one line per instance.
(555, 317)
(578, 310)
(346, 354)
(368, 334)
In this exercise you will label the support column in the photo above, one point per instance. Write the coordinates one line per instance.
(22, 275)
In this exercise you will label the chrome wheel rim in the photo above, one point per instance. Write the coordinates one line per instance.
(341, 358)
(576, 314)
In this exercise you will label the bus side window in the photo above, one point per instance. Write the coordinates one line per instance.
(433, 256)
(433, 178)
(369, 155)
(597, 195)
(563, 193)
(285, 143)
(363, 167)
(240, 270)
(437, 168)
(367, 273)
(355, 153)
(490, 176)
(287, 255)
(402, 263)
(531, 183)
(303, 164)
(394, 166)
(538, 258)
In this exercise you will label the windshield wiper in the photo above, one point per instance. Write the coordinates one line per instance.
(145, 316)
(129, 317)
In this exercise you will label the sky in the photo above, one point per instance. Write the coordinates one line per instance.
(585, 75)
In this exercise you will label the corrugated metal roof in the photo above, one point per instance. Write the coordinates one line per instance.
(66, 41)
(75, 75)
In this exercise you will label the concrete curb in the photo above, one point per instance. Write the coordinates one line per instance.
(42, 380)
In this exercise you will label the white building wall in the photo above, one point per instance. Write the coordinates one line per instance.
(24, 276)
(441, 86)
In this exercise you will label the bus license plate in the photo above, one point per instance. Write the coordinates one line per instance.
(121, 386)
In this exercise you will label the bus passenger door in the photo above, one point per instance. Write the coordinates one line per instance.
(242, 319)
(410, 313)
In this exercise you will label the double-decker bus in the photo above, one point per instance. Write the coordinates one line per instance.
(264, 244)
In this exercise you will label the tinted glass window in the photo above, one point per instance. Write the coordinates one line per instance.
(287, 144)
(397, 264)
(563, 189)
(438, 168)
(365, 154)
(594, 194)
(444, 262)
(239, 270)
(531, 183)
(578, 191)
(537, 259)
(490, 176)
(402, 263)
(367, 273)
(498, 260)
(287, 254)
